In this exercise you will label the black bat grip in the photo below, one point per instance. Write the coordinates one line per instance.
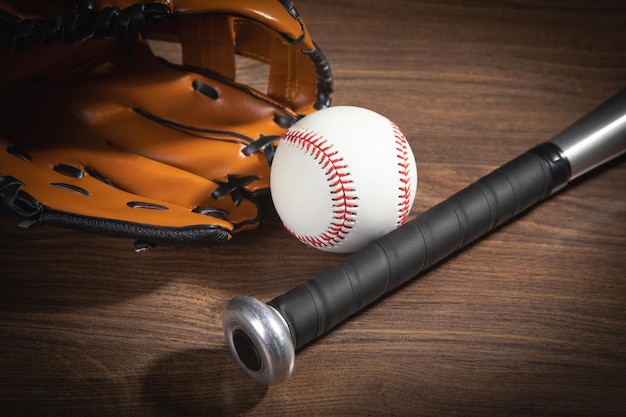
(315, 307)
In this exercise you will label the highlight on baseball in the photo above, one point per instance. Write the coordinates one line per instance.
(343, 177)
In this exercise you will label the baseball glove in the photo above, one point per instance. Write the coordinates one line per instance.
(98, 133)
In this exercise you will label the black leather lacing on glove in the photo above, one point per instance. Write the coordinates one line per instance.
(325, 85)
(233, 186)
(111, 22)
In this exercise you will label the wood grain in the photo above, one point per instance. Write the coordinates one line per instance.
(530, 321)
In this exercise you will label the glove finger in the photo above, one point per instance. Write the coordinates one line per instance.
(207, 157)
(148, 179)
(67, 191)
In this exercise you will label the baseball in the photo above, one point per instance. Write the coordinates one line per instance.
(343, 177)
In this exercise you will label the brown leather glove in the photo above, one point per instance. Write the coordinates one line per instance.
(98, 134)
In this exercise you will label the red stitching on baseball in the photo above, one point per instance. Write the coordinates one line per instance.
(342, 190)
(404, 165)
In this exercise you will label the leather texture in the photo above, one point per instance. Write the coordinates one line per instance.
(97, 133)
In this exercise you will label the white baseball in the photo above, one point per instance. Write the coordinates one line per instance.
(343, 177)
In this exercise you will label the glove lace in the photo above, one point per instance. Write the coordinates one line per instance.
(111, 22)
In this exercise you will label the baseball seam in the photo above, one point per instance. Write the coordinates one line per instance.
(404, 169)
(341, 187)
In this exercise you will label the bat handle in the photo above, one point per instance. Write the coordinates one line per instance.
(263, 337)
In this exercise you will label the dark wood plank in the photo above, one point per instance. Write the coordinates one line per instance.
(529, 321)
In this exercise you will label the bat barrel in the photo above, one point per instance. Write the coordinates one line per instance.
(596, 138)
(265, 348)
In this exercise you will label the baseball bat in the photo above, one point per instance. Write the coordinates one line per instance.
(263, 337)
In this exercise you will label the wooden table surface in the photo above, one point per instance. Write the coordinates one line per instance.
(530, 321)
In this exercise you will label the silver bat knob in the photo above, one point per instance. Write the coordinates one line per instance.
(259, 339)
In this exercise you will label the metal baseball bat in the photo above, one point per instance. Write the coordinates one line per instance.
(264, 337)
